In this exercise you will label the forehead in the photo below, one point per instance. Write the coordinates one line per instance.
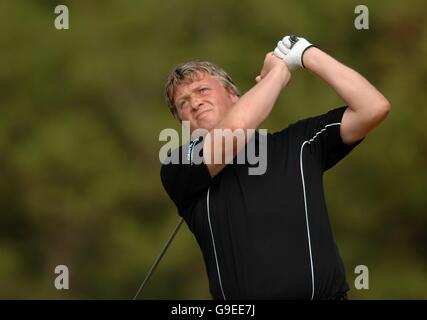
(198, 80)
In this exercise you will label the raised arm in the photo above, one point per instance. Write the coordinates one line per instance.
(247, 113)
(367, 107)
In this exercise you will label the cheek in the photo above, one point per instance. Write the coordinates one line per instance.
(225, 105)
(184, 115)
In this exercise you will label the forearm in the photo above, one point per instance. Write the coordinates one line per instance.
(247, 113)
(256, 104)
(355, 90)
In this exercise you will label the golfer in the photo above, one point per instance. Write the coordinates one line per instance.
(266, 236)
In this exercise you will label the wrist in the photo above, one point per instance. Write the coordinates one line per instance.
(310, 57)
(283, 74)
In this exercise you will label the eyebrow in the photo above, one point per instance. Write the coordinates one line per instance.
(185, 96)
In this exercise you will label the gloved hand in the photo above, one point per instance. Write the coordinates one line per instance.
(291, 49)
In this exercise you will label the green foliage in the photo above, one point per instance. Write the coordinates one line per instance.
(82, 109)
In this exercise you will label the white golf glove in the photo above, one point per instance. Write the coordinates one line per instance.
(291, 49)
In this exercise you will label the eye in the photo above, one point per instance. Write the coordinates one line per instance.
(204, 91)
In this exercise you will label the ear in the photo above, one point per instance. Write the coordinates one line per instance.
(233, 96)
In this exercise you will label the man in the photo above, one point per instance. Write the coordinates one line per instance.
(266, 236)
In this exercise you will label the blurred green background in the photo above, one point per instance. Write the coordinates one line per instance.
(81, 111)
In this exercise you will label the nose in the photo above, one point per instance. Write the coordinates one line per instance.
(196, 103)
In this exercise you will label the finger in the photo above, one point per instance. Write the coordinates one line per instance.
(282, 47)
(279, 54)
(258, 79)
(287, 42)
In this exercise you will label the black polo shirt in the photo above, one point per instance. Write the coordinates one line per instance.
(267, 236)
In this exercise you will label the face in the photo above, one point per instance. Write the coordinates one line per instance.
(203, 102)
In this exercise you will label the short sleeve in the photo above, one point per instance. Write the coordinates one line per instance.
(322, 136)
(184, 174)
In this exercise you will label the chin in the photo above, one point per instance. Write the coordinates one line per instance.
(207, 124)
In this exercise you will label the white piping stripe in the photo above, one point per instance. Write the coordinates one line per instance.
(305, 203)
(213, 242)
(324, 129)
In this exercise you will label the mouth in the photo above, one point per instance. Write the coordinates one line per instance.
(202, 114)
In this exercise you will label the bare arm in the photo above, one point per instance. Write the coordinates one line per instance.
(247, 113)
(367, 107)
